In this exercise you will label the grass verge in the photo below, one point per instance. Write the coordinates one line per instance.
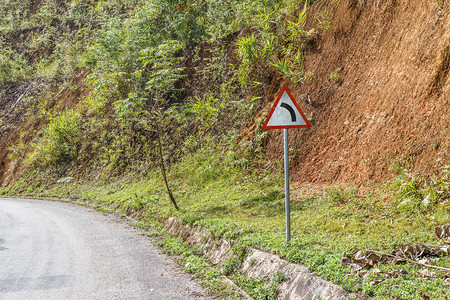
(327, 223)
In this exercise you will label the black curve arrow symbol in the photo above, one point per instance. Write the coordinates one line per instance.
(291, 110)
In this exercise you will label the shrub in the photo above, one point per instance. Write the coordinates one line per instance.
(275, 43)
(339, 195)
(13, 66)
(60, 140)
(415, 193)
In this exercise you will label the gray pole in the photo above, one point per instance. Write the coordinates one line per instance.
(286, 185)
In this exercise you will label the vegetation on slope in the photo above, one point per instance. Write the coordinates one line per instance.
(151, 65)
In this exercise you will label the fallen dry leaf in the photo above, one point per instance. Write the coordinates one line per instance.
(366, 259)
(396, 273)
(346, 261)
(376, 271)
(416, 251)
(372, 258)
(423, 260)
(359, 255)
(442, 232)
(425, 273)
(439, 232)
(424, 296)
(363, 273)
(445, 250)
(418, 254)
(375, 282)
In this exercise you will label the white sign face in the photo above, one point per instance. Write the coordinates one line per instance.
(286, 113)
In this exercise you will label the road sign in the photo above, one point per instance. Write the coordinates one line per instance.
(286, 113)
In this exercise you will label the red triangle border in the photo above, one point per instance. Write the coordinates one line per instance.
(285, 89)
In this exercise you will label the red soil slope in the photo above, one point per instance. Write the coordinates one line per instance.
(391, 102)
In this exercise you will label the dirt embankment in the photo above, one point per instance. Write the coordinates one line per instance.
(387, 100)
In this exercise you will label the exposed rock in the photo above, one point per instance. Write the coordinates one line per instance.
(301, 283)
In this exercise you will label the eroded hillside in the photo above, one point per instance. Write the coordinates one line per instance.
(379, 94)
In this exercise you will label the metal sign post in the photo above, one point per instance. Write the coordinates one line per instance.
(286, 185)
(286, 113)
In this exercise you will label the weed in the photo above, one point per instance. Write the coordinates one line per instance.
(282, 46)
(18, 150)
(335, 76)
(333, 80)
(340, 195)
(414, 193)
(247, 48)
(13, 67)
(60, 141)
(262, 288)
(324, 18)
(196, 264)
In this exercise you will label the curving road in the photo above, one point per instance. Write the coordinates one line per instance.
(54, 250)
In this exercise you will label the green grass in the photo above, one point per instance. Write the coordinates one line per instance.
(193, 262)
(249, 208)
(261, 288)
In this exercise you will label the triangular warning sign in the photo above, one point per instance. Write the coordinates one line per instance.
(286, 113)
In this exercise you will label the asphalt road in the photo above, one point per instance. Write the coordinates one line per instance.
(54, 250)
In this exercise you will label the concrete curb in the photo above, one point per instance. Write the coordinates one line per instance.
(301, 284)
